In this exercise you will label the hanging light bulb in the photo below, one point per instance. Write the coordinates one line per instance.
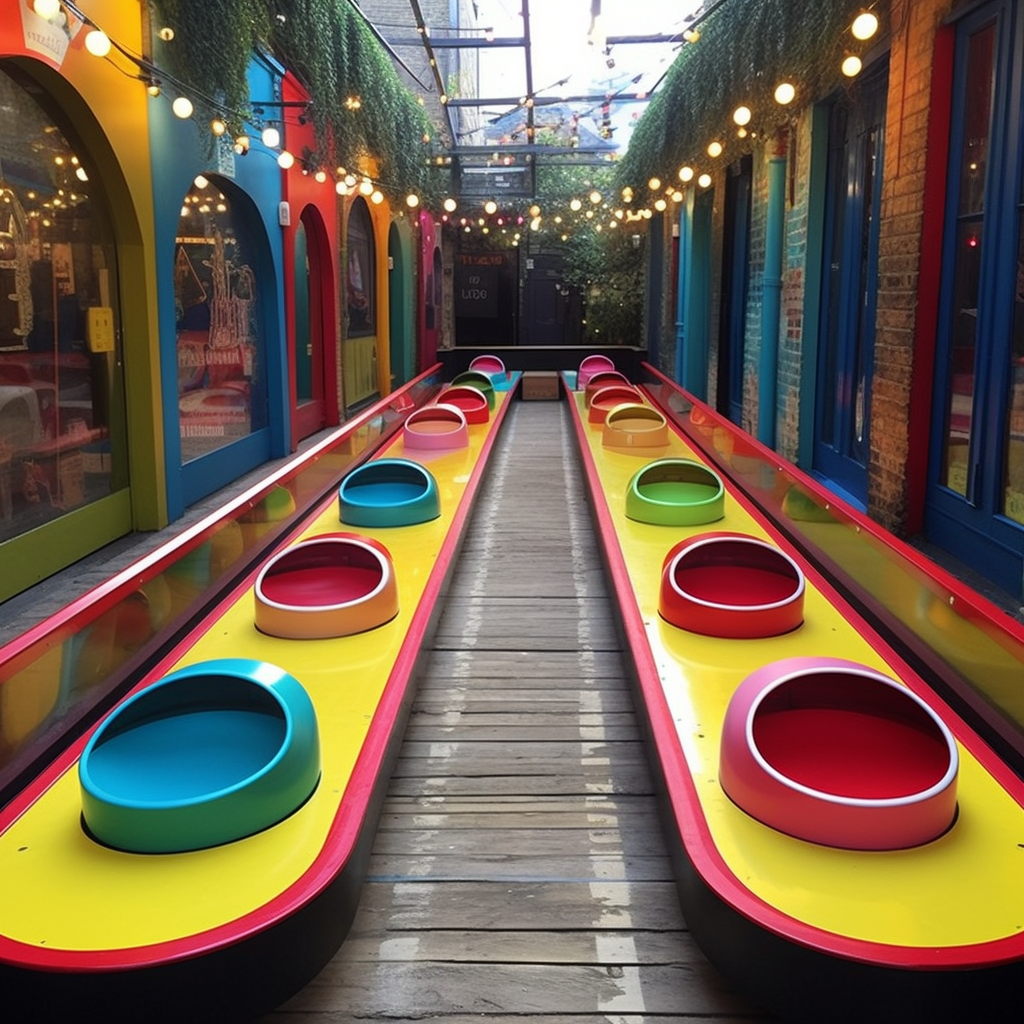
(412, 200)
(685, 173)
(654, 184)
(851, 66)
(153, 88)
(48, 9)
(166, 33)
(182, 107)
(376, 197)
(865, 25)
(320, 177)
(490, 206)
(742, 115)
(271, 137)
(241, 146)
(595, 197)
(366, 187)
(98, 43)
(704, 180)
(285, 160)
(450, 205)
(218, 127)
(784, 93)
(714, 149)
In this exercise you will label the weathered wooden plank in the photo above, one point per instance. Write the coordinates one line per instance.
(478, 867)
(504, 817)
(561, 753)
(428, 989)
(454, 842)
(524, 666)
(518, 947)
(600, 806)
(474, 698)
(623, 782)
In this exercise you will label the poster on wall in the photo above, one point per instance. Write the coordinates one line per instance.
(48, 38)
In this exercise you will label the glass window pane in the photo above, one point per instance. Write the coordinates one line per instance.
(221, 392)
(61, 428)
(1013, 468)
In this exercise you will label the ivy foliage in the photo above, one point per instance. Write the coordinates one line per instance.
(746, 48)
(604, 265)
(330, 48)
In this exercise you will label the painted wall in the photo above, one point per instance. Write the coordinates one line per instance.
(182, 150)
(109, 113)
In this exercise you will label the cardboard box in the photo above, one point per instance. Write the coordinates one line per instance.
(541, 385)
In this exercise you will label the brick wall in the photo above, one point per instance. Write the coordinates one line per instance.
(906, 140)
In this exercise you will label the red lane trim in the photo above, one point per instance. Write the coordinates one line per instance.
(688, 812)
(345, 828)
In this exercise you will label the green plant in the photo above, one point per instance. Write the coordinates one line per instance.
(329, 47)
(746, 48)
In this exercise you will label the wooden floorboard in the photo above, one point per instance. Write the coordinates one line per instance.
(519, 872)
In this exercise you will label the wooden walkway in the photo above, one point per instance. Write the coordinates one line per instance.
(519, 871)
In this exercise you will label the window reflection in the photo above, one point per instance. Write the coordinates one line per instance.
(221, 393)
(58, 327)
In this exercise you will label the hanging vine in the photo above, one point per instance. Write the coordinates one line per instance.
(746, 48)
(332, 51)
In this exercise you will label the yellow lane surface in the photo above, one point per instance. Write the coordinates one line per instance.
(61, 890)
(967, 887)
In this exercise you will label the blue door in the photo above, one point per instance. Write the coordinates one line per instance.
(849, 283)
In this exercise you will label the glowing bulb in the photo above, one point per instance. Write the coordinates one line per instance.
(48, 9)
(685, 173)
(715, 149)
(742, 115)
(412, 201)
(182, 107)
(320, 177)
(376, 197)
(241, 146)
(366, 187)
(450, 205)
(271, 138)
(864, 26)
(784, 93)
(153, 88)
(341, 188)
(595, 197)
(677, 196)
(654, 184)
(490, 206)
(218, 127)
(97, 43)
(851, 66)
(660, 204)
(166, 33)
(574, 205)
(200, 181)
(285, 160)
(691, 35)
(704, 180)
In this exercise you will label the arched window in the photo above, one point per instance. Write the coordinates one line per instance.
(222, 392)
(360, 285)
(62, 435)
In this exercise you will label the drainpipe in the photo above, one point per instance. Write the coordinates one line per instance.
(771, 302)
(683, 278)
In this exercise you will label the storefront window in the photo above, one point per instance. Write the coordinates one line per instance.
(221, 383)
(61, 426)
(359, 280)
